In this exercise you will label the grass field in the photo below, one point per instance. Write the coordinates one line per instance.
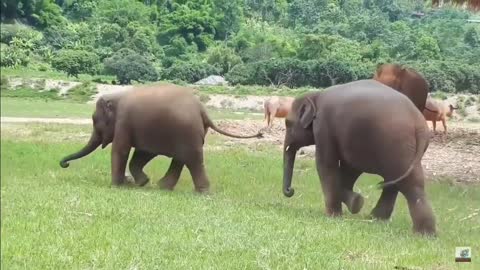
(54, 218)
(37, 107)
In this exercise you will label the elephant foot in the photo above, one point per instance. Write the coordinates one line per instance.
(380, 213)
(202, 190)
(142, 181)
(355, 203)
(166, 184)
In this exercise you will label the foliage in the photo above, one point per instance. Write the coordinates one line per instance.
(12, 57)
(223, 58)
(74, 62)
(129, 66)
(189, 71)
(337, 40)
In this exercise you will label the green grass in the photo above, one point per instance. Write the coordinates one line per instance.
(54, 218)
(43, 106)
(21, 107)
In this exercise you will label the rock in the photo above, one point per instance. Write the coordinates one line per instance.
(212, 80)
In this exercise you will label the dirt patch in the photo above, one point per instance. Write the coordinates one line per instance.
(454, 156)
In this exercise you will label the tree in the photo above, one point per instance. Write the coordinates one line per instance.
(230, 15)
(128, 65)
(75, 62)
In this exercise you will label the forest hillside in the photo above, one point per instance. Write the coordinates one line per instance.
(293, 43)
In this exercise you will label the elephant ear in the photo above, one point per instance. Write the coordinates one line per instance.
(107, 108)
(307, 113)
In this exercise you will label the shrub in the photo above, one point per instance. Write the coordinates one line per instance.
(128, 65)
(75, 62)
(11, 57)
(189, 71)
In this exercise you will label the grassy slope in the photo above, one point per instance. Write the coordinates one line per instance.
(55, 218)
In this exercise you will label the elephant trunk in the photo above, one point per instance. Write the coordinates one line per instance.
(92, 144)
(288, 162)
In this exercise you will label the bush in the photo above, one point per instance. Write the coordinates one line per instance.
(189, 71)
(129, 66)
(12, 57)
(75, 62)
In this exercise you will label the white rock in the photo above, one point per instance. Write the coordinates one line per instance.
(212, 80)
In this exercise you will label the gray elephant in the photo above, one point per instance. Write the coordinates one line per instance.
(351, 128)
(156, 120)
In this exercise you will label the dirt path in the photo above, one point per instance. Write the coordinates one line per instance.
(455, 156)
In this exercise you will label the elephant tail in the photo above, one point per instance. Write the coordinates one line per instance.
(422, 140)
(92, 144)
(208, 123)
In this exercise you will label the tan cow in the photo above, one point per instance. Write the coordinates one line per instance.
(442, 111)
(277, 107)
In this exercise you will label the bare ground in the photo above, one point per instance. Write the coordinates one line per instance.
(454, 157)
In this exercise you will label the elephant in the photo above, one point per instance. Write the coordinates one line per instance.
(276, 107)
(406, 81)
(350, 126)
(166, 120)
(443, 111)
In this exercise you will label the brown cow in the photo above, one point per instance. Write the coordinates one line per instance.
(442, 111)
(277, 107)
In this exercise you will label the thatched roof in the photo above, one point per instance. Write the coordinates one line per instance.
(471, 4)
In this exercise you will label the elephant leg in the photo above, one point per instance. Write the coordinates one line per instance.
(120, 150)
(353, 200)
(172, 175)
(197, 170)
(384, 208)
(331, 185)
(420, 210)
(139, 160)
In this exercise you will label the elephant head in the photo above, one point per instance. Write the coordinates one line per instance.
(299, 133)
(103, 128)
(404, 80)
